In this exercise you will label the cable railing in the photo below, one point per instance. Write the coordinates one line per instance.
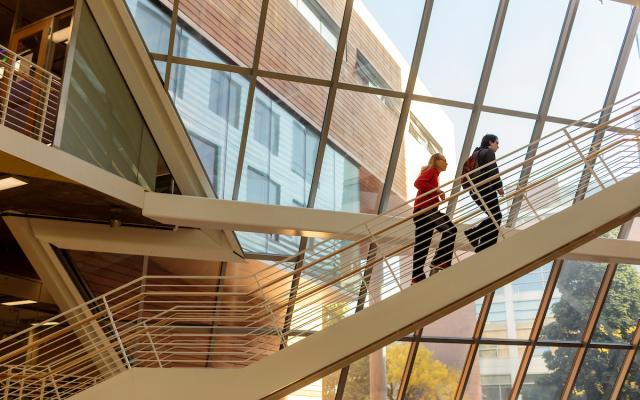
(234, 321)
(29, 97)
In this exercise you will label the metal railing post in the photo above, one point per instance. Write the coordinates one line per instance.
(584, 160)
(5, 105)
(153, 346)
(115, 331)
(45, 106)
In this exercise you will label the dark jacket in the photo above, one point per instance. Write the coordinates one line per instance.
(427, 182)
(488, 168)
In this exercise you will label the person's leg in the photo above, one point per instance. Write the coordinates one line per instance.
(472, 233)
(424, 231)
(490, 231)
(444, 254)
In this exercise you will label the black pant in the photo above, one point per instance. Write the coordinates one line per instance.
(425, 225)
(486, 233)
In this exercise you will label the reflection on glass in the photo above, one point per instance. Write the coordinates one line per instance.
(575, 293)
(282, 144)
(380, 43)
(430, 129)
(102, 123)
(527, 44)
(631, 388)
(268, 243)
(496, 367)
(453, 57)
(598, 29)
(436, 371)
(301, 37)
(515, 307)
(377, 376)
(154, 24)
(598, 374)
(459, 323)
(621, 312)
(364, 125)
(103, 272)
(547, 373)
(211, 105)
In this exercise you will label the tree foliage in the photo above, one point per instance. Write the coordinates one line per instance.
(430, 380)
(617, 323)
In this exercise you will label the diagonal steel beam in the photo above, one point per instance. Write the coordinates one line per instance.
(250, 95)
(315, 180)
(536, 329)
(480, 93)
(473, 348)
(545, 104)
(598, 305)
(406, 107)
(612, 93)
(626, 364)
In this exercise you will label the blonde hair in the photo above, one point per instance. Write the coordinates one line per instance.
(432, 161)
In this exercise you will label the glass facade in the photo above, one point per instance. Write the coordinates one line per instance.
(488, 77)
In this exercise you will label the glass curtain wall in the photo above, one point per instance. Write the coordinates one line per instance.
(515, 68)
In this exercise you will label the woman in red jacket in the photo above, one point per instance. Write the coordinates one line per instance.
(429, 195)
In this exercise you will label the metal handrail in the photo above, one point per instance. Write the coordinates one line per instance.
(233, 321)
(29, 97)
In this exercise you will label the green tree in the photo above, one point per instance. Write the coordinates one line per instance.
(617, 324)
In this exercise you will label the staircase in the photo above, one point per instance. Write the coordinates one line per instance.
(252, 337)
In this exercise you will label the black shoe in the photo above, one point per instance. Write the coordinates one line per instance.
(469, 235)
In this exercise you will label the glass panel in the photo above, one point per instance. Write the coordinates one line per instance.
(631, 388)
(527, 44)
(347, 185)
(212, 105)
(268, 243)
(324, 388)
(103, 272)
(231, 25)
(283, 143)
(436, 371)
(377, 376)
(496, 366)
(547, 373)
(431, 129)
(459, 323)
(621, 313)
(102, 123)
(453, 57)
(513, 133)
(301, 37)
(598, 29)
(154, 23)
(380, 43)
(631, 79)
(598, 374)
(572, 300)
(514, 308)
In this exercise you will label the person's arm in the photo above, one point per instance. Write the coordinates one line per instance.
(427, 181)
(494, 171)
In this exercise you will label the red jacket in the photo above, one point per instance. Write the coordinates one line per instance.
(427, 182)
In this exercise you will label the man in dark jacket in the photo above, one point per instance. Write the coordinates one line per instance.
(486, 187)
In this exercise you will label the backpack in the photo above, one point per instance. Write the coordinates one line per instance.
(468, 166)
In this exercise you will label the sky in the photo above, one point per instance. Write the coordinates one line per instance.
(457, 40)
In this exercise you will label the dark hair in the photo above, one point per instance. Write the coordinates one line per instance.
(488, 139)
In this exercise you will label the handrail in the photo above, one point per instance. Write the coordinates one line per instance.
(29, 97)
(233, 321)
